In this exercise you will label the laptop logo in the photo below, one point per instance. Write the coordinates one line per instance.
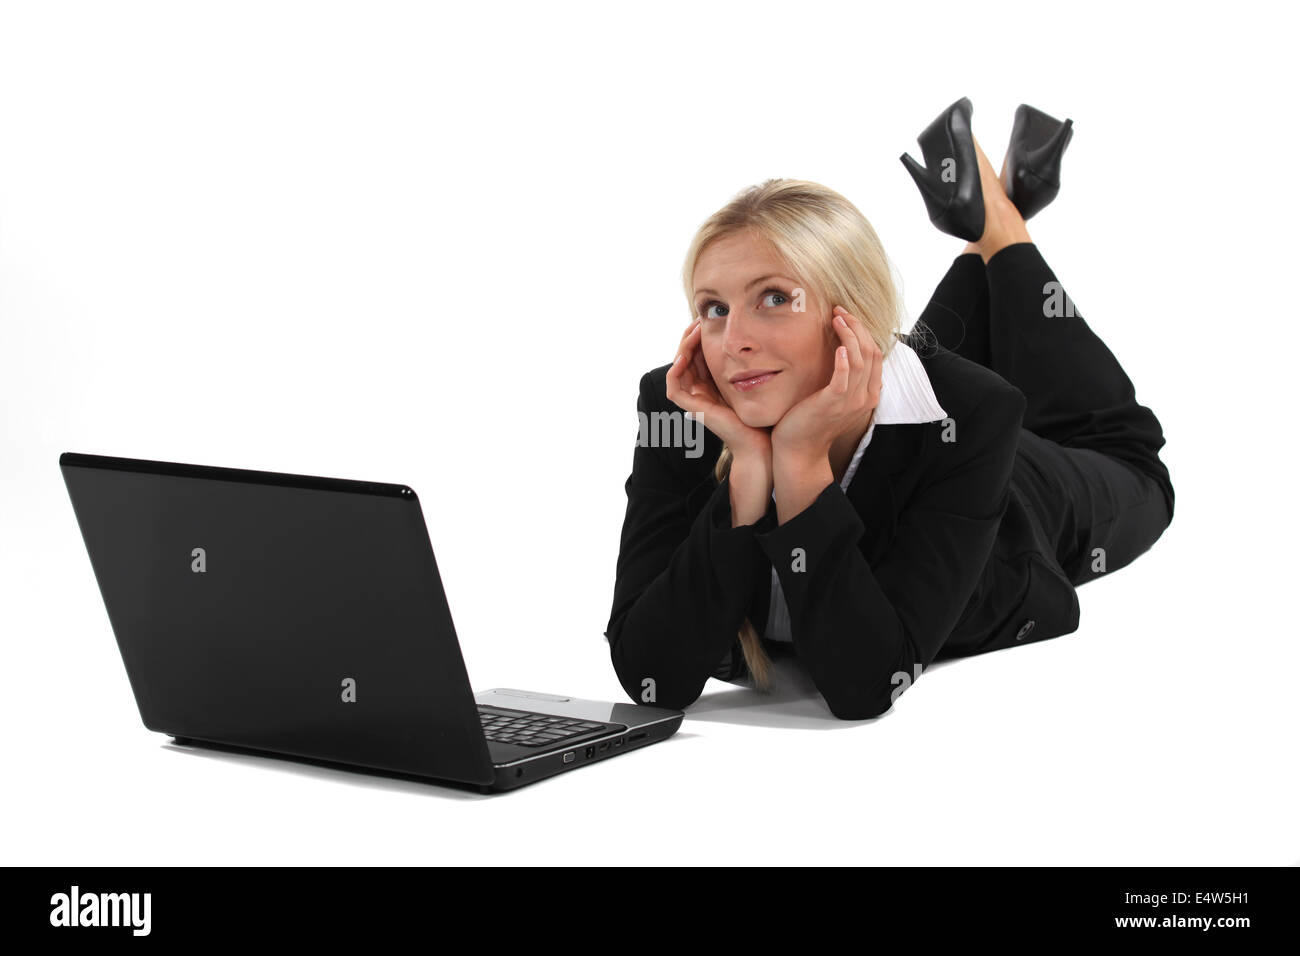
(200, 563)
(349, 690)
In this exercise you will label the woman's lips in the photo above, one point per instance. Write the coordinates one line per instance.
(745, 384)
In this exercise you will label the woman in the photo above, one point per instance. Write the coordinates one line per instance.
(1011, 464)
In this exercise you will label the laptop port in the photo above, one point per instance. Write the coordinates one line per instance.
(604, 746)
(591, 752)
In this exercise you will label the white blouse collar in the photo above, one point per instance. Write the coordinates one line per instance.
(906, 398)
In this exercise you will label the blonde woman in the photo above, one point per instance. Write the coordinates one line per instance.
(867, 502)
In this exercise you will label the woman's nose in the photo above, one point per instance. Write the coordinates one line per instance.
(739, 332)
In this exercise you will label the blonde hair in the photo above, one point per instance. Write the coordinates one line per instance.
(829, 245)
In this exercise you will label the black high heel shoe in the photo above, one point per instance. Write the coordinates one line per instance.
(1031, 172)
(950, 179)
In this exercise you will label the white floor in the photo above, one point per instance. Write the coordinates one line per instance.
(1162, 732)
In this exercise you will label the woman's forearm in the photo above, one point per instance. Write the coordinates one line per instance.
(751, 486)
(682, 588)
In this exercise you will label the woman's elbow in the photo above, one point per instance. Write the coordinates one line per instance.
(645, 683)
(859, 707)
(866, 700)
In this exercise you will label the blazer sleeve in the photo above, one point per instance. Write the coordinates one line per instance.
(682, 584)
(858, 627)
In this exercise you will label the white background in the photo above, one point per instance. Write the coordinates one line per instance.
(421, 244)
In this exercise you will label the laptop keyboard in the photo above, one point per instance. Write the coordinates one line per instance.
(532, 730)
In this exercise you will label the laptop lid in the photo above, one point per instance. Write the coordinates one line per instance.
(286, 613)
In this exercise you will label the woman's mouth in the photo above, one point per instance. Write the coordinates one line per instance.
(751, 380)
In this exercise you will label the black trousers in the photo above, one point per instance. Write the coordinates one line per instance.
(1088, 461)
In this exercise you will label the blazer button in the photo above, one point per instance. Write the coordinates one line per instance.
(1024, 629)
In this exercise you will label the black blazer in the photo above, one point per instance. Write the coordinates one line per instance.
(929, 554)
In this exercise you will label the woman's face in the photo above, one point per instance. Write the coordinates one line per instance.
(755, 321)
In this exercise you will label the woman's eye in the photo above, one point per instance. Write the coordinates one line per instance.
(707, 310)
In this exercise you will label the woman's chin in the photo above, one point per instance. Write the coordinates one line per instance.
(757, 417)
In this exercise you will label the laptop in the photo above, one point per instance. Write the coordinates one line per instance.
(305, 617)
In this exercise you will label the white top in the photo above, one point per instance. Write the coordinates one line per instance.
(906, 398)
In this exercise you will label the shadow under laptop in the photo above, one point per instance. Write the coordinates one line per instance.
(373, 778)
(346, 773)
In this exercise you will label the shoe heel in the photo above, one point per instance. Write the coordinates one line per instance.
(936, 200)
(1048, 156)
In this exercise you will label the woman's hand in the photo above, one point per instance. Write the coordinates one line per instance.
(691, 387)
(802, 439)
